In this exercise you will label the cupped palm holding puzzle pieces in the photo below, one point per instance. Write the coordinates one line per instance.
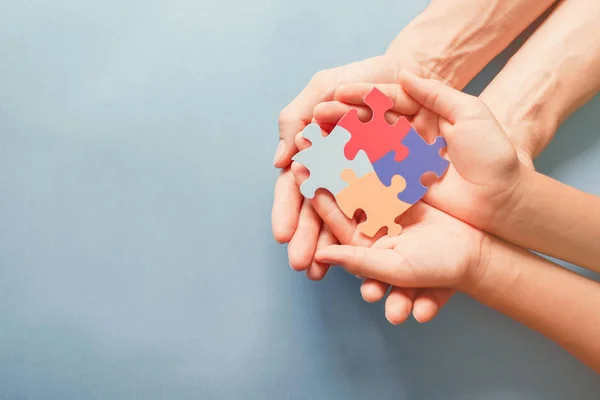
(372, 166)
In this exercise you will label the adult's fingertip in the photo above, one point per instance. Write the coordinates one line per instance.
(425, 309)
(284, 153)
(370, 294)
(396, 316)
(397, 312)
(299, 261)
(283, 231)
(301, 142)
(286, 207)
(279, 152)
(300, 256)
(317, 271)
(373, 291)
(300, 172)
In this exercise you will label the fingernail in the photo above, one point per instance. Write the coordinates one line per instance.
(417, 317)
(279, 151)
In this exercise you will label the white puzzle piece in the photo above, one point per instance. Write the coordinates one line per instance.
(325, 160)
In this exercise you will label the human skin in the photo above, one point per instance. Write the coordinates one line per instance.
(537, 90)
(450, 41)
(554, 73)
(552, 218)
(548, 216)
(484, 172)
(436, 249)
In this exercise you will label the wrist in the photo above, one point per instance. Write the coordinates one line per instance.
(509, 209)
(449, 41)
(531, 136)
(495, 271)
(427, 53)
(530, 121)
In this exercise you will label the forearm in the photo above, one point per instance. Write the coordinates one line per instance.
(552, 218)
(454, 39)
(554, 301)
(555, 72)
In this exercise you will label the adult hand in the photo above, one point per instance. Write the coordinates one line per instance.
(294, 221)
(434, 250)
(447, 41)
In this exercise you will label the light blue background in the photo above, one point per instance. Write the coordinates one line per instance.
(134, 265)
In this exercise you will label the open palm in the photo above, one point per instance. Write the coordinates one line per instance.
(294, 220)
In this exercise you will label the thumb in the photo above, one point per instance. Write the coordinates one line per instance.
(438, 97)
(476, 156)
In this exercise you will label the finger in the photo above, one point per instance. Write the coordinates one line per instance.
(331, 112)
(437, 96)
(373, 291)
(296, 115)
(354, 94)
(384, 265)
(429, 302)
(302, 143)
(342, 227)
(385, 242)
(371, 263)
(286, 206)
(318, 270)
(399, 304)
(344, 231)
(427, 123)
(303, 244)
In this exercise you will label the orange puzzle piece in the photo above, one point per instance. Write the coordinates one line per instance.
(379, 202)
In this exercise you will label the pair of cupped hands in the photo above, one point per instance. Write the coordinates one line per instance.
(443, 244)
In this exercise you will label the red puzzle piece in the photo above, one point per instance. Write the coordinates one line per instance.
(376, 137)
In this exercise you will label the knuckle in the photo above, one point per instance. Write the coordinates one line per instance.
(285, 116)
(323, 78)
(476, 104)
(358, 255)
(319, 76)
(431, 100)
(327, 210)
(397, 95)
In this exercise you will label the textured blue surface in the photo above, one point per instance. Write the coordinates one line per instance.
(133, 266)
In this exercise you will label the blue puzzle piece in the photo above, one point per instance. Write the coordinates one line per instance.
(422, 158)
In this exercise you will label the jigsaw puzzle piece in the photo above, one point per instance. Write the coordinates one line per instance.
(380, 203)
(376, 137)
(422, 158)
(325, 160)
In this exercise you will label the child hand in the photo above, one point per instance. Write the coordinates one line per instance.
(434, 250)
(485, 171)
(424, 303)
